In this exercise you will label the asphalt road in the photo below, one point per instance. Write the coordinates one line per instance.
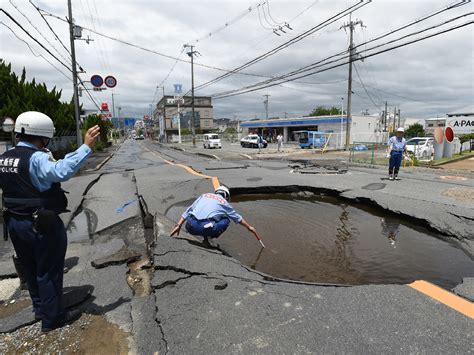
(190, 299)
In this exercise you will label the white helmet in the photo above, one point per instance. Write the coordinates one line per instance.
(401, 129)
(34, 123)
(224, 191)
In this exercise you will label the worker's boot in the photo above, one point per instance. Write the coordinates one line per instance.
(20, 271)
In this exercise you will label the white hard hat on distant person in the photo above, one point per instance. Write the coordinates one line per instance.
(34, 123)
(224, 191)
(401, 129)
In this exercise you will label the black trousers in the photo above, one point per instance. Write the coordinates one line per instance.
(42, 257)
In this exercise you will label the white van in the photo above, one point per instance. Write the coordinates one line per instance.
(211, 140)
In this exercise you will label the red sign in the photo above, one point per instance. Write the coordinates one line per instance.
(105, 115)
(104, 106)
(110, 81)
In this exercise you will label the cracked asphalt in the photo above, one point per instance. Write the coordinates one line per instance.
(200, 300)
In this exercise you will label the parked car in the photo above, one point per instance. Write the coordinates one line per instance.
(251, 141)
(421, 147)
(211, 140)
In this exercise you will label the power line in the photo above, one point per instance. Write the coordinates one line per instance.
(34, 39)
(256, 87)
(37, 30)
(229, 23)
(143, 48)
(36, 55)
(288, 43)
(49, 26)
(365, 89)
(40, 55)
(321, 62)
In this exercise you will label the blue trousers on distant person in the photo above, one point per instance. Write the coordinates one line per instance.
(208, 228)
(395, 161)
(42, 257)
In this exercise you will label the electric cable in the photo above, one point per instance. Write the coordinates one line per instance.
(34, 39)
(365, 89)
(36, 55)
(324, 62)
(256, 87)
(37, 30)
(49, 26)
(288, 43)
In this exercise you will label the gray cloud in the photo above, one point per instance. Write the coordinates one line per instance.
(435, 76)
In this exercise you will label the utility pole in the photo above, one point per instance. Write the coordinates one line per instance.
(191, 54)
(351, 26)
(385, 117)
(77, 113)
(398, 114)
(113, 105)
(266, 105)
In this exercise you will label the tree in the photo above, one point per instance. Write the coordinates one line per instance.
(230, 130)
(17, 96)
(322, 111)
(104, 124)
(415, 130)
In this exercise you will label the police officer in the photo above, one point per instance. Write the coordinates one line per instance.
(397, 147)
(210, 215)
(32, 200)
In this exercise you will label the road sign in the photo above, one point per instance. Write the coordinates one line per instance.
(129, 122)
(104, 106)
(96, 80)
(178, 88)
(98, 89)
(110, 81)
(105, 115)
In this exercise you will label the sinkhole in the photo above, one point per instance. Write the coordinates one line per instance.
(324, 239)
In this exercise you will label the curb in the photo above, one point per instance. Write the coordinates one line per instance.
(452, 160)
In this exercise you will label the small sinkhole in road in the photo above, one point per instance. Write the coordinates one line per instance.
(323, 239)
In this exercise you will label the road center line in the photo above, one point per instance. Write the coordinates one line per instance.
(214, 179)
(445, 297)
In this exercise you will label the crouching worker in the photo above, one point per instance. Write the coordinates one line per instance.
(32, 200)
(210, 215)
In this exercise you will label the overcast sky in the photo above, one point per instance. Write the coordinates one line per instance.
(425, 79)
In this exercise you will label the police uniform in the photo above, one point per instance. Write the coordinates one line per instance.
(209, 216)
(32, 200)
(398, 145)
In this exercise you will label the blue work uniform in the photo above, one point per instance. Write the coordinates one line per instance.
(209, 216)
(398, 146)
(30, 180)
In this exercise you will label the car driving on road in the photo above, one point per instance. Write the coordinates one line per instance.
(211, 140)
(251, 141)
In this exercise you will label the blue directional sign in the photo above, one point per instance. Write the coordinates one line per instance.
(178, 88)
(129, 122)
(97, 81)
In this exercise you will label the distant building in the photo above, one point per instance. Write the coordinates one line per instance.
(462, 120)
(363, 128)
(167, 108)
(221, 124)
(432, 123)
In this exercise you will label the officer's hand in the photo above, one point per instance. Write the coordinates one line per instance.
(91, 136)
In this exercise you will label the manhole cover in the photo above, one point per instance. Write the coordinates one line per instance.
(375, 186)
(465, 194)
(451, 177)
